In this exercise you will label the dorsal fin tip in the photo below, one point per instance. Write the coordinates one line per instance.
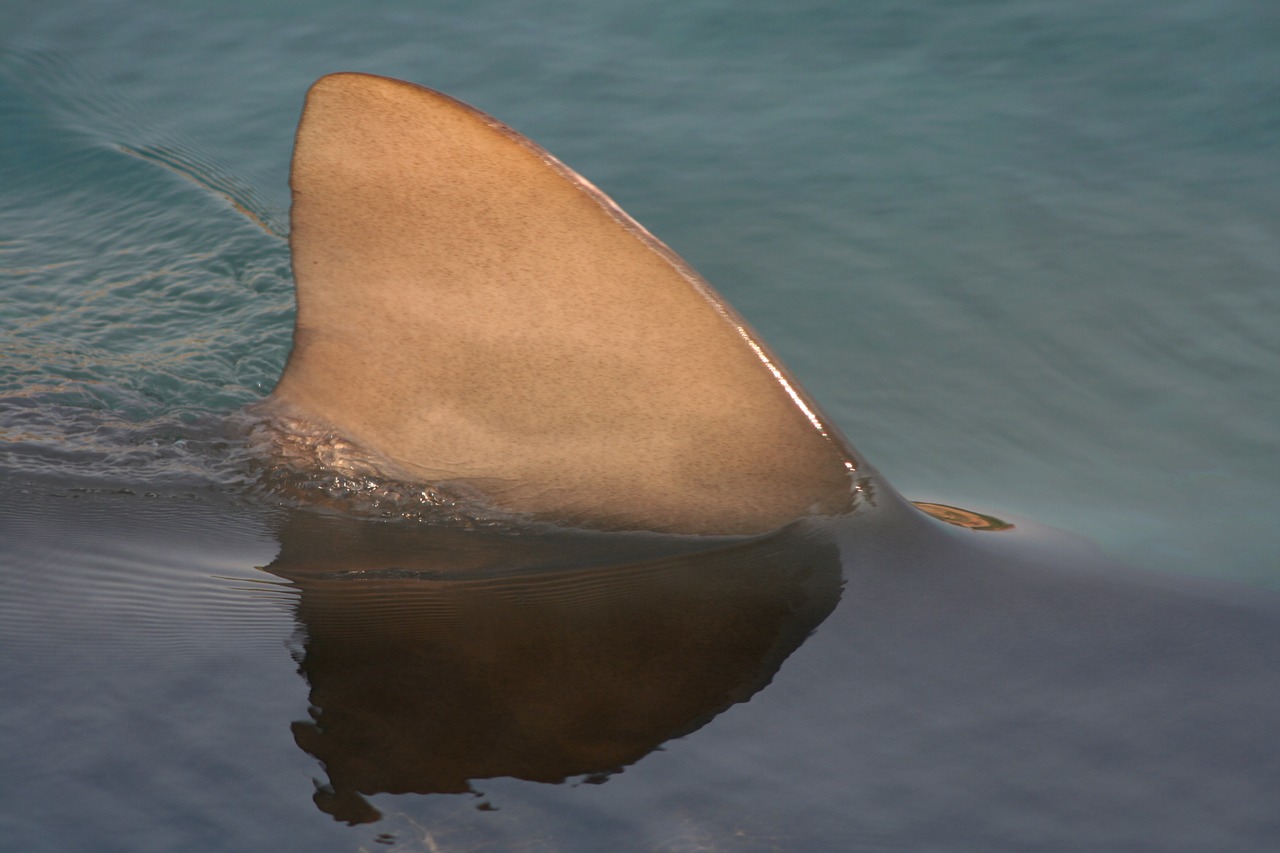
(473, 312)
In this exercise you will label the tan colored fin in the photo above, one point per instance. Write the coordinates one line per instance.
(472, 312)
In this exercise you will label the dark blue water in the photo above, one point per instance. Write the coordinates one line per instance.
(1025, 254)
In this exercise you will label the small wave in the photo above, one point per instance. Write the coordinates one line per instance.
(82, 104)
(123, 572)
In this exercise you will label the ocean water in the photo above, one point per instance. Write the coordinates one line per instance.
(1025, 254)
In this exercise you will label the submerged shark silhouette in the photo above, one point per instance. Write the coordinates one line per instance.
(480, 322)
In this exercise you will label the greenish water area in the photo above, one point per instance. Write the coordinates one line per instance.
(1026, 255)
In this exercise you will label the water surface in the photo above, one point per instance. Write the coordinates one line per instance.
(1025, 254)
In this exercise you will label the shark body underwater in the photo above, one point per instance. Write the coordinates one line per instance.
(664, 516)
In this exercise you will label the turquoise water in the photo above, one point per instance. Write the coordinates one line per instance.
(1025, 254)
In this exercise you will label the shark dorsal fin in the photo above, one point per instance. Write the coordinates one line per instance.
(471, 311)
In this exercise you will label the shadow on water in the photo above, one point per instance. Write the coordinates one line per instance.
(437, 656)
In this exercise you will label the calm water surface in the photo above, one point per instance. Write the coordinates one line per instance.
(1026, 254)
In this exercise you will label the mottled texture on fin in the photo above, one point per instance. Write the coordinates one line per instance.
(471, 311)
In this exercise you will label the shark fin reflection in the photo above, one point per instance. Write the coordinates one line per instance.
(436, 656)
